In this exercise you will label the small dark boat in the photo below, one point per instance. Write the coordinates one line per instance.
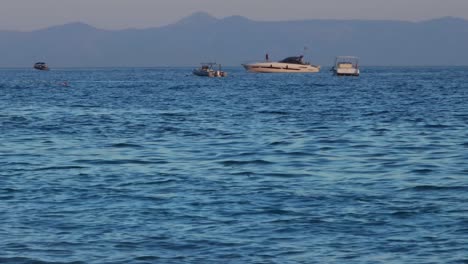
(207, 70)
(42, 66)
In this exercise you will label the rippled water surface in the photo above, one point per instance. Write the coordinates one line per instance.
(159, 166)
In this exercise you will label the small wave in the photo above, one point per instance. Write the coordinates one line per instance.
(243, 173)
(119, 162)
(147, 258)
(422, 171)
(245, 162)
(60, 168)
(361, 146)
(8, 190)
(436, 188)
(285, 175)
(23, 260)
(297, 153)
(83, 106)
(170, 129)
(275, 211)
(334, 141)
(412, 148)
(381, 130)
(180, 87)
(160, 182)
(313, 129)
(15, 163)
(174, 114)
(279, 143)
(325, 148)
(126, 145)
(245, 154)
(320, 84)
(18, 119)
(377, 113)
(404, 214)
(436, 126)
(300, 219)
(274, 112)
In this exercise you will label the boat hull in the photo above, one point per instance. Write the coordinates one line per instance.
(277, 67)
(209, 73)
(41, 68)
(346, 66)
(347, 72)
(203, 73)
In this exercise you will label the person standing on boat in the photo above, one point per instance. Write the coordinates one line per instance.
(267, 58)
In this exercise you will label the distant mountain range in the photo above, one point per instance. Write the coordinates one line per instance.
(235, 40)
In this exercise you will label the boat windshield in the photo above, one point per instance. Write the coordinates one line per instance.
(209, 65)
(294, 60)
(343, 60)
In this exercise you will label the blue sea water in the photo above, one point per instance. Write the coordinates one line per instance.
(159, 166)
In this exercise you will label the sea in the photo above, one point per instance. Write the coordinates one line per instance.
(156, 165)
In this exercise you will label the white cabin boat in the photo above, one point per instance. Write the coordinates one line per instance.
(346, 66)
(290, 64)
(207, 70)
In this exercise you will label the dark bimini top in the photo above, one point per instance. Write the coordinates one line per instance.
(293, 60)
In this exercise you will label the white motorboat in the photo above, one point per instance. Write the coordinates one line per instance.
(346, 66)
(207, 70)
(290, 64)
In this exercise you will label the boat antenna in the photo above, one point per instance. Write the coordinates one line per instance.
(305, 50)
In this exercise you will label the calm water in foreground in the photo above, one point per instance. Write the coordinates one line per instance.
(159, 166)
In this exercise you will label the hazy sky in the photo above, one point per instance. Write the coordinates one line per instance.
(116, 14)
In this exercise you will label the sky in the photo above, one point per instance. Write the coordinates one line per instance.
(28, 15)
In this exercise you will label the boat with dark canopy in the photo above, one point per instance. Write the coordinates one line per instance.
(207, 70)
(289, 64)
(42, 66)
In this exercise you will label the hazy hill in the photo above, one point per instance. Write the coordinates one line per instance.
(233, 40)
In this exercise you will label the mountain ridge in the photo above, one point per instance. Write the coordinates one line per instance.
(236, 39)
(195, 17)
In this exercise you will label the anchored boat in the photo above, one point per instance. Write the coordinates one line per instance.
(290, 64)
(42, 66)
(207, 70)
(346, 66)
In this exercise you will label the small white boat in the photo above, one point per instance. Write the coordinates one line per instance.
(290, 65)
(346, 66)
(42, 66)
(207, 70)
